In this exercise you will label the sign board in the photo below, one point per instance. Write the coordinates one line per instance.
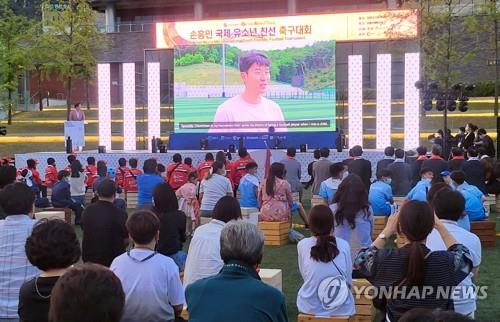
(76, 131)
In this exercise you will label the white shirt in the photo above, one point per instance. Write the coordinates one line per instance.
(203, 258)
(213, 189)
(77, 185)
(314, 272)
(236, 109)
(472, 242)
(151, 287)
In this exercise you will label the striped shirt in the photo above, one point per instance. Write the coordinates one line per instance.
(15, 269)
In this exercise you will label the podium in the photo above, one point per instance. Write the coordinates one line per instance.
(75, 130)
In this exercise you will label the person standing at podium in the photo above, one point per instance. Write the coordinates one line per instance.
(77, 114)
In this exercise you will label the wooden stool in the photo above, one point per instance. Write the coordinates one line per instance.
(317, 200)
(486, 231)
(272, 277)
(379, 223)
(131, 199)
(497, 203)
(311, 318)
(275, 233)
(362, 300)
(489, 200)
(398, 201)
(185, 314)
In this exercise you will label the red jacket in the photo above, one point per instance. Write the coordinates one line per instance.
(177, 174)
(91, 172)
(121, 173)
(50, 176)
(36, 177)
(204, 168)
(239, 168)
(130, 182)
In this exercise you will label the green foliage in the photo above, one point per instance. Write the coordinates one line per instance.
(484, 89)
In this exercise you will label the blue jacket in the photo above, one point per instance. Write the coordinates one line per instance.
(61, 195)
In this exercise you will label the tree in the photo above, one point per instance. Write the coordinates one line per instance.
(74, 39)
(14, 45)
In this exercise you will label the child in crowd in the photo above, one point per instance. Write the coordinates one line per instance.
(121, 172)
(31, 165)
(188, 203)
(130, 183)
(70, 159)
(380, 194)
(249, 187)
(50, 173)
(328, 187)
(205, 166)
(91, 171)
(419, 192)
(189, 162)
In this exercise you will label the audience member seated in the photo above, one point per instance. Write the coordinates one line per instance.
(413, 265)
(147, 182)
(457, 159)
(419, 192)
(316, 156)
(121, 172)
(189, 162)
(473, 196)
(401, 174)
(293, 171)
(449, 206)
(436, 162)
(486, 142)
(177, 172)
(77, 186)
(330, 186)
(162, 171)
(249, 187)
(321, 170)
(91, 172)
(437, 315)
(246, 298)
(239, 166)
(203, 258)
(360, 166)
(205, 166)
(172, 224)
(417, 165)
(213, 187)
(153, 289)
(380, 194)
(222, 157)
(188, 202)
(463, 221)
(323, 258)
(8, 175)
(387, 160)
(104, 233)
(275, 195)
(87, 292)
(353, 214)
(70, 159)
(475, 173)
(61, 195)
(102, 174)
(52, 247)
(130, 183)
(31, 165)
(50, 173)
(17, 201)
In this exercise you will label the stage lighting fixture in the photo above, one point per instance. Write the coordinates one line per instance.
(463, 106)
(204, 144)
(231, 148)
(420, 85)
(355, 99)
(411, 101)
(433, 85)
(451, 105)
(303, 148)
(427, 104)
(470, 87)
(3, 131)
(457, 86)
(440, 102)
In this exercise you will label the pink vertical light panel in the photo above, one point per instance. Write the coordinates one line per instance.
(129, 133)
(383, 127)
(104, 100)
(412, 100)
(355, 101)
(153, 101)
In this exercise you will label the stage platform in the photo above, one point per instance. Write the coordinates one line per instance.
(112, 157)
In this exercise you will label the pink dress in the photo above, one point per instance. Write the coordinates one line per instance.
(276, 208)
(188, 203)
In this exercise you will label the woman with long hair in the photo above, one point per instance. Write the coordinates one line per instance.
(275, 195)
(214, 186)
(77, 186)
(409, 268)
(353, 214)
(322, 258)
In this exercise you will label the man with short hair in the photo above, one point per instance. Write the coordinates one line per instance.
(121, 172)
(486, 142)
(387, 160)
(401, 174)
(17, 201)
(473, 196)
(449, 206)
(61, 195)
(436, 162)
(130, 183)
(239, 166)
(457, 159)
(50, 173)
(205, 166)
(150, 280)
(104, 233)
(330, 186)
(293, 170)
(177, 172)
(417, 164)
(246, 298)
(321, 169)
(419, 192)
(360, 166)
(250, 106)
(380, 194)
(475, 173)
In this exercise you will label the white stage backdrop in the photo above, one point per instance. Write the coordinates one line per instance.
(112, 158)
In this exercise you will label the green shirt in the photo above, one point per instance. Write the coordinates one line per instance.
(235, 294)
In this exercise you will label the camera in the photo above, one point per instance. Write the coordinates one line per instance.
(3, 130)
